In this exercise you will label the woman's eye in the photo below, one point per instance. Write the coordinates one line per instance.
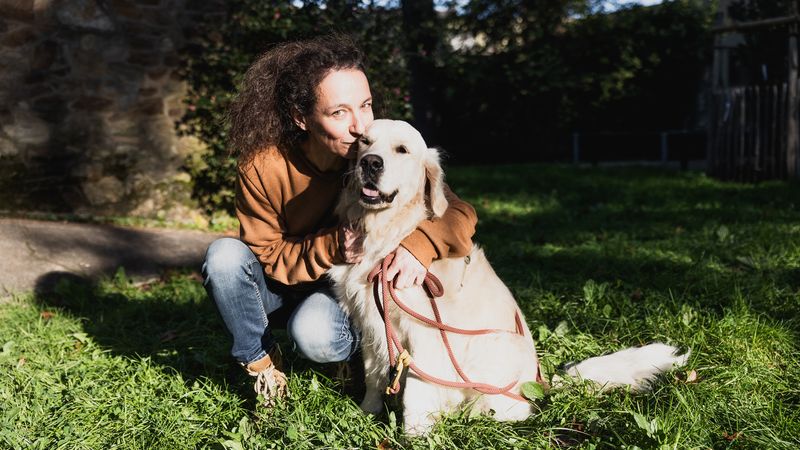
(401, 149)
(338, 113)
(367, 106)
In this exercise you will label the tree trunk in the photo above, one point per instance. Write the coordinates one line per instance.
(420, 27)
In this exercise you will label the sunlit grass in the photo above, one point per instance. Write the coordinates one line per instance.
(599, 259)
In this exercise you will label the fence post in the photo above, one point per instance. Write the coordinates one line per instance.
(792, 129)
(576, 148)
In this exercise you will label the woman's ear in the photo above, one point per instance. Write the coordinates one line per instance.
(299, 120)
(434, 177)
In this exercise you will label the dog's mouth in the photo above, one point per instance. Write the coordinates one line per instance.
(371, 196)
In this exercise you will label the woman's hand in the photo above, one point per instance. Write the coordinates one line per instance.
(351, 243)
(406, 268)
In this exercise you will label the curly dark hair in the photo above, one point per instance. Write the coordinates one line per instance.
(280, 82)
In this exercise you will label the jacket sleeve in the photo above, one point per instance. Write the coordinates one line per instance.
(447, 236)
(286, 259)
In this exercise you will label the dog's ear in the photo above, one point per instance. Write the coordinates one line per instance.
(437, 202)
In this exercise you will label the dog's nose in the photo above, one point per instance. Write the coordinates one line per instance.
(371, 165)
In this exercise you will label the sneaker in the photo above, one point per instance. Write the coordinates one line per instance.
(271, 382)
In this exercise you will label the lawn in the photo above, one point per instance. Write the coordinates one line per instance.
(599, 259)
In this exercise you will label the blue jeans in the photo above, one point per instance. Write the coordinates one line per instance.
(234, 279)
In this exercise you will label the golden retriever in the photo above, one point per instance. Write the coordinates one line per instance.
(397, 183)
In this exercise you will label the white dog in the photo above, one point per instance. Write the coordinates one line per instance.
(386, 197)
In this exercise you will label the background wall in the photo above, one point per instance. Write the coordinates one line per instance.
(89, 95)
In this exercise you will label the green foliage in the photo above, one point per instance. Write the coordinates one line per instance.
(539, 70)
(598, 260)
(216, 65)
(536, 69)
(532, 390)
(639, 68)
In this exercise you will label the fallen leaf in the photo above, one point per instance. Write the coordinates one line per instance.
(169, 335)
(689, 376)
(637, 294)
(81, 337)
(47, 315)
(145, 285)
(577, 426)
(196, 276)
(384, 445)
(731, 437)
(532, 390)
(21, 362)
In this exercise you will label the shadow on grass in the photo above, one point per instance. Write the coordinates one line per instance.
(169, 320)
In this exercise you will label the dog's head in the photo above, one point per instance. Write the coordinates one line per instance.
(395, 167)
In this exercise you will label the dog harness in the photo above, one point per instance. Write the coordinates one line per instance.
(403, 361)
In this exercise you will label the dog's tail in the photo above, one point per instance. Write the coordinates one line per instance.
(635, 367)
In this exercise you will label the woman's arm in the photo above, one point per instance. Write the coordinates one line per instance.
(286, 259)
(447, 236)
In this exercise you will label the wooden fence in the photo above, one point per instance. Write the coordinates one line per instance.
(748, 134)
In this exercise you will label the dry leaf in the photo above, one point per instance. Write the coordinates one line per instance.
(732, 436)
(145, 285)
(689, 376)
(47, 315)
(637, 294)
(384, 445)
(196, 276)
(168, 335)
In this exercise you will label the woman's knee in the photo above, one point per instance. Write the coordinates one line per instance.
(319, 333)
(226, 256)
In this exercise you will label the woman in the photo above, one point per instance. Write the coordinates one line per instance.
(295, 125)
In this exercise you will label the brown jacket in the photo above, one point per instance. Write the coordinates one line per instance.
(285, 210)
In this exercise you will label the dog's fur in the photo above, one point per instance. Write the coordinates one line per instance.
(411, 190)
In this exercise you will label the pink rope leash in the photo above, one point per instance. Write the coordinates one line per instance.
(434, 288)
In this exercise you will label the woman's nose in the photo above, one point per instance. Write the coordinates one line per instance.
(358, 126)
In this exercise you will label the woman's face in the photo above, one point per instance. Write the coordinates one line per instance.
(342, 113)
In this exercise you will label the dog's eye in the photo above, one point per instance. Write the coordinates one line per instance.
(401, 149)
(365, 141)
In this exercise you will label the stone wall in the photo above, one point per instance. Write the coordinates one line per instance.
(90, 94)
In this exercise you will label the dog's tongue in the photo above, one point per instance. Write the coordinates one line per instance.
(370, 192)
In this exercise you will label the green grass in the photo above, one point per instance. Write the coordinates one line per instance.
(599, 259)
